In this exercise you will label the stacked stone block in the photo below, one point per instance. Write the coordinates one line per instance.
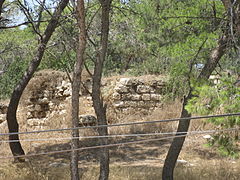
(138, 93)
(44, 101)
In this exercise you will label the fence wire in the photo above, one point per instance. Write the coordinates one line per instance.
(121, 144)
(124, 124)
(106, 136)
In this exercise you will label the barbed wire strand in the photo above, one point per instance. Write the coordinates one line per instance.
(106, 136)
(113, 145)
(125, 124)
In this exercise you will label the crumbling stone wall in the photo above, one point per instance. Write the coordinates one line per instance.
(133, 97)
(138, 93)
(45, 96)
(48, 95)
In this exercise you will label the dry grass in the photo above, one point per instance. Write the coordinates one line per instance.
(209, 169)
(204, 170)
(168, 111)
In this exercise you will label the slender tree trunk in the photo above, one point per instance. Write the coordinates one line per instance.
(16, 147)
(76, 88)
(1, 7)
(100, 110)
(183, 125)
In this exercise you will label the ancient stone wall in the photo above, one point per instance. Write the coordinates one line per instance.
(49, 95)
(138, 93)
(45, 96)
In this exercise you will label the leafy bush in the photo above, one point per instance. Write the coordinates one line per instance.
(10, 78)
(219, 99)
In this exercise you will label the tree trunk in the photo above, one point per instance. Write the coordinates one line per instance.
(16, 147)
(76, 88)
(1, 7)
(215, 56)
(183, 125)
(99, 108)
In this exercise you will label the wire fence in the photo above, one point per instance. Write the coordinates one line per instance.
(110, 136)
(124, 124)
(173, 135)
(123, 143)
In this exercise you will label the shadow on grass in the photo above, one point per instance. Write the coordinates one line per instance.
(132, 152)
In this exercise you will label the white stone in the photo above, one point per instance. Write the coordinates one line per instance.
(30, 106)
(136, 97)
(125, 81)
(67, 92)
(215, 79)
(182, 161)
(51, 105)
(37, 107)
(58, 88)
(43, 101)
(130, 103)
(89, 98)
(121, 89)
(146, 97)
(36, 122)
(208, 136)
(143, 89)
(119, 104)
(156, 97)
(65, 83)
(63, 112)
(46, 93)
(116, 96)
(29, 115)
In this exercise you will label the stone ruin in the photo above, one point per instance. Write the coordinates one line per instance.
(49, 94)
(45, 96)
(137, 93)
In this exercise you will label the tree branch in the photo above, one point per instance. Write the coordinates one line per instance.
(18, 25)
(29, 17)
(1, 7)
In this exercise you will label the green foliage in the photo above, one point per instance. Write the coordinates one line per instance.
(219, 99)
(61, 53)
(17, 46)
(163, 37)
(146, 37)
(9, 79)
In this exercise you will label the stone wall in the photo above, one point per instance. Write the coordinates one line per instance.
(138, 93)
(127, 94)
(42, 103)
(48, 95)
(45, 96)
